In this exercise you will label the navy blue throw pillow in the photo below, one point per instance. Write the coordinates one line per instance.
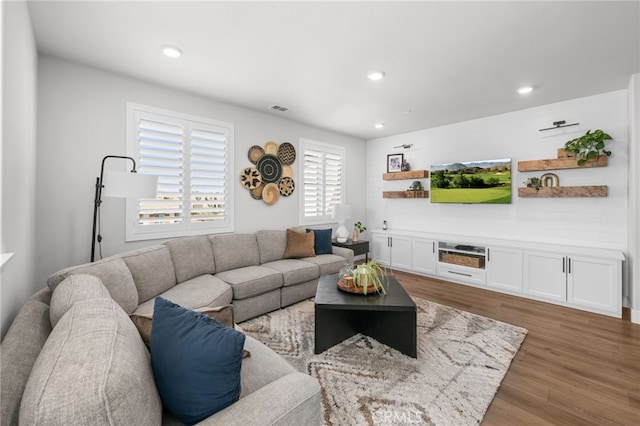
(196, 361)
(322, 244)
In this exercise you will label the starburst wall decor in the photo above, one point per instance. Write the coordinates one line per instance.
(271, 174)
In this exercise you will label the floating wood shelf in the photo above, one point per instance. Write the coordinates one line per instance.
(565, 191)
(405, 194)
(560, 163)
(413, 174)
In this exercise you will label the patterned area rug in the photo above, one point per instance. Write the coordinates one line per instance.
(462, 359)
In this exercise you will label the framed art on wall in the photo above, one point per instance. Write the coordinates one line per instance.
(394, 162)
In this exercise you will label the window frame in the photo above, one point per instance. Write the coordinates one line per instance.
(305, 144)
(137, 232)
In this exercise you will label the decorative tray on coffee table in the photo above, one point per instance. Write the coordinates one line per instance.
(350, 288)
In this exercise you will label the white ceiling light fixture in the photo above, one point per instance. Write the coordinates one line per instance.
(171, 51)
(378, 125)
(375, 75)
(525, 89)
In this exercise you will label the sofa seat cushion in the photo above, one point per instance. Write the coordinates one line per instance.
(200, 292)
(152, 271)
(251, 281)
(73, 289)
(192, 257)
(294, 271)
(328, 263)
(115, 276)
(93, 369)
(196, 361)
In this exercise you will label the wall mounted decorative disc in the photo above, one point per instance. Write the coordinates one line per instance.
(255, 152)
(271, 148)
(287, 153)
(256, 193)
(287, 171)
(286, 185)
(250, 177)
(270, 193)
(270, 168)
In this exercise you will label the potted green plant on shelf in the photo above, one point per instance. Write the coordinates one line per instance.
(369, 276)
(590, 145)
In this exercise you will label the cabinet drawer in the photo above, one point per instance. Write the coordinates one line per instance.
(460, 273)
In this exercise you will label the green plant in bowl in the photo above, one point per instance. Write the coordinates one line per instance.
(367, 275)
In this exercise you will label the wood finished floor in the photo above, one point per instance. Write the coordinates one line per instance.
(574, 367)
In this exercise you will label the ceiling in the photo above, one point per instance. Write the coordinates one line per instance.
(446, 62)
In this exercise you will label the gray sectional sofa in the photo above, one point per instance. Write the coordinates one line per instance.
(70, 373)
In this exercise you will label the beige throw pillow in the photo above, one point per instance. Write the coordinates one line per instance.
(299, 244)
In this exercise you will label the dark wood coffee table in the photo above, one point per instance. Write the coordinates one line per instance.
(390, 318)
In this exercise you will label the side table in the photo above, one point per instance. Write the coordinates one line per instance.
(359, 247)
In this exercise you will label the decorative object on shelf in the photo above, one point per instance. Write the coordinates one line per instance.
(341, 213)
(550, 180)
(416, 185)
(384, 225)
(121, 185)
(590, 145)
(533, 182)
(559, 124)
(405, 167)
(272, 175)
(358, 229)
(394, 163)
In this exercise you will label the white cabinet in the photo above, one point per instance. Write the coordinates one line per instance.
(588, 283)
(392, 250)
(423, 255)
(592, 284)
(504, 269)
(545, 276)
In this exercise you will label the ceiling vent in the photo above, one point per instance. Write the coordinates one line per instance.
(279, 108)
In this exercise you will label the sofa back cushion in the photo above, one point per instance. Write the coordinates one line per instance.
(235, 251)
(20, 348)
(152, 271)
(272, 245)
(93, 369)
(74, 288)
(192, 257)
(113, 273)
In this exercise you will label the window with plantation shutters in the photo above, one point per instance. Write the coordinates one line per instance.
(192, 158)
(322, 179)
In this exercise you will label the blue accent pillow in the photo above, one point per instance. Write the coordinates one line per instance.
(322, 244)
(196, 361)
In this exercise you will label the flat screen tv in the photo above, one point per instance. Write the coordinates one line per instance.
(472, 182)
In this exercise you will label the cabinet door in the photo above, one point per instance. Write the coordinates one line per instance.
(423, 256)
(381, 248)
(401, 252)
(504, 269)
(544, 276)
(595, 284)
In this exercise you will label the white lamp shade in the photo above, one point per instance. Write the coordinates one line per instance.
(341, 212)
(129, 185)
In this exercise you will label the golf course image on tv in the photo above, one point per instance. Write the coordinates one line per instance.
(472, 182)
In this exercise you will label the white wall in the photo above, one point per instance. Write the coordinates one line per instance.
(19, 63)
(81, 118)
(634, 196)
(594, 222)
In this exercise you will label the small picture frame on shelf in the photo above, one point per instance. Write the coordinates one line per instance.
(394, 163)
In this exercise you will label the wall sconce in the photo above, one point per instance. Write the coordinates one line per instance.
(120, 185)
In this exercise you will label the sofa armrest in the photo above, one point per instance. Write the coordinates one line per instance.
(344, 252)
(293, 399)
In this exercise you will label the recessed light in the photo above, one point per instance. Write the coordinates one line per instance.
(407, 111)
(524, 90)
(378, 125)
(375, 75)
(171, 51)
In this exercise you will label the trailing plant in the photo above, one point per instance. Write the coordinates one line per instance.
(590, 145)
(369, 274)
(533, 182)
(360, 227)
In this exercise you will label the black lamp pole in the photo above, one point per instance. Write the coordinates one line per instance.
(98, 200)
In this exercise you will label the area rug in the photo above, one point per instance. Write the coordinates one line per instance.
(462, 359)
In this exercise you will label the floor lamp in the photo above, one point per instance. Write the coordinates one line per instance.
(119, 185)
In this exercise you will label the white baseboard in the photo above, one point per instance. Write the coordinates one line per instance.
(635, 316)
